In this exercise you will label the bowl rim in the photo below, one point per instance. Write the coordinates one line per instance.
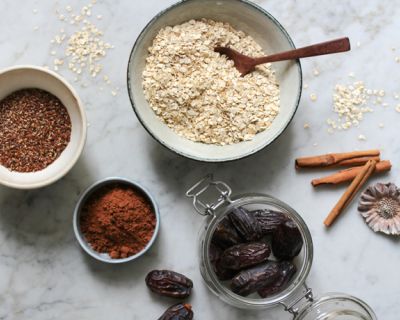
(230, 158)
(89, 191)
(83, 136)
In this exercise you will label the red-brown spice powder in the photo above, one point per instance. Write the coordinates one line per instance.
(118, 220)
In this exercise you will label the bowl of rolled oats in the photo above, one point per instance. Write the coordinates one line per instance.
(192, 100)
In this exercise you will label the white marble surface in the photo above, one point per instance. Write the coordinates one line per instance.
(44, 274)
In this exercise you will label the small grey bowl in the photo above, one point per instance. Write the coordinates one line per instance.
(104, 257)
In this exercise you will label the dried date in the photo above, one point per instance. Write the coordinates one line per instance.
(169, 283)
(269, 220)
(222, 273)
(287, 241)
(251, 280)
(178, 311)
(245, 255)
(246, 224)
(225, 234)
(286, 272)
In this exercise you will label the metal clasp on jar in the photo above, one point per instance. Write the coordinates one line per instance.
(219, 191)
(298, 302)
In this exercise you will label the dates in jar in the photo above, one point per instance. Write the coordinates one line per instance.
(245, 255)
(286, 272)
(178, 311)
(169, 283)
(269, 220)
(253, 279)
(287, 241)
(246, 224)
(222, 273)
(225, 234)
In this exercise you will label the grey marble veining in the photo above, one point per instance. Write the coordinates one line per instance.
(43, 273)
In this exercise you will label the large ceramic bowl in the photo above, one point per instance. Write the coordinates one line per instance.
(242, 15)
(21, 77)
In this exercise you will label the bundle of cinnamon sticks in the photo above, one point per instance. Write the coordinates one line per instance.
(363, 165)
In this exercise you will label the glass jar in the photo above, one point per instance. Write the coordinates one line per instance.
(214, 200)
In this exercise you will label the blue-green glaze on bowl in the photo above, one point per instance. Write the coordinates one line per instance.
(242, 15)
(82, 200)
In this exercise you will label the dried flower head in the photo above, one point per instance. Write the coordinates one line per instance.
(380, 206)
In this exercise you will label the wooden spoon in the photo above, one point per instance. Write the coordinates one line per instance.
(247, 64)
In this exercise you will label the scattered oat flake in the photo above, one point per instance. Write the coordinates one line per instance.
(84, 48)
(350, 104)
(351, 74)
(306, 126)
(316, 72)
(398, 108)
(99, 17)
(397, 59)
(313, 97)
(305, 86)
(361, 137)
(114, 93)
(358, 44)
(381, 125)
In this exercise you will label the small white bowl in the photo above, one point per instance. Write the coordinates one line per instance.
(242, 15)
(104, 257)
(20, 77)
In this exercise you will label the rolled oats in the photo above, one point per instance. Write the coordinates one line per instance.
(199, 94)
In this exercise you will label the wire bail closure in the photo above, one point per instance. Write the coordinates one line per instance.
(205, 208)
(293, 307)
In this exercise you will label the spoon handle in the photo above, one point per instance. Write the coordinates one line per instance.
(319, 49)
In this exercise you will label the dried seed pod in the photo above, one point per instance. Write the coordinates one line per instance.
(286, 272)
(246, 224)
(380, 206)
(178, 311)
(169, 283)
(251, 280)
(287, 241)
(225, 234)
(269, 220)
(222, 273)
(245, 255)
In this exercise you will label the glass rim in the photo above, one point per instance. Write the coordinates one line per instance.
(332, 297)
(298, 282)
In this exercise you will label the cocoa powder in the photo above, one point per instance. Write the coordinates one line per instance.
(118, 220)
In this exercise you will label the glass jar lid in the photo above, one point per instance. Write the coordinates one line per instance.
(337, 306)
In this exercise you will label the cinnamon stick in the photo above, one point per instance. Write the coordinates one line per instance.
(350, 174)
(351, 191)
(330, 159)
(359, 161)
